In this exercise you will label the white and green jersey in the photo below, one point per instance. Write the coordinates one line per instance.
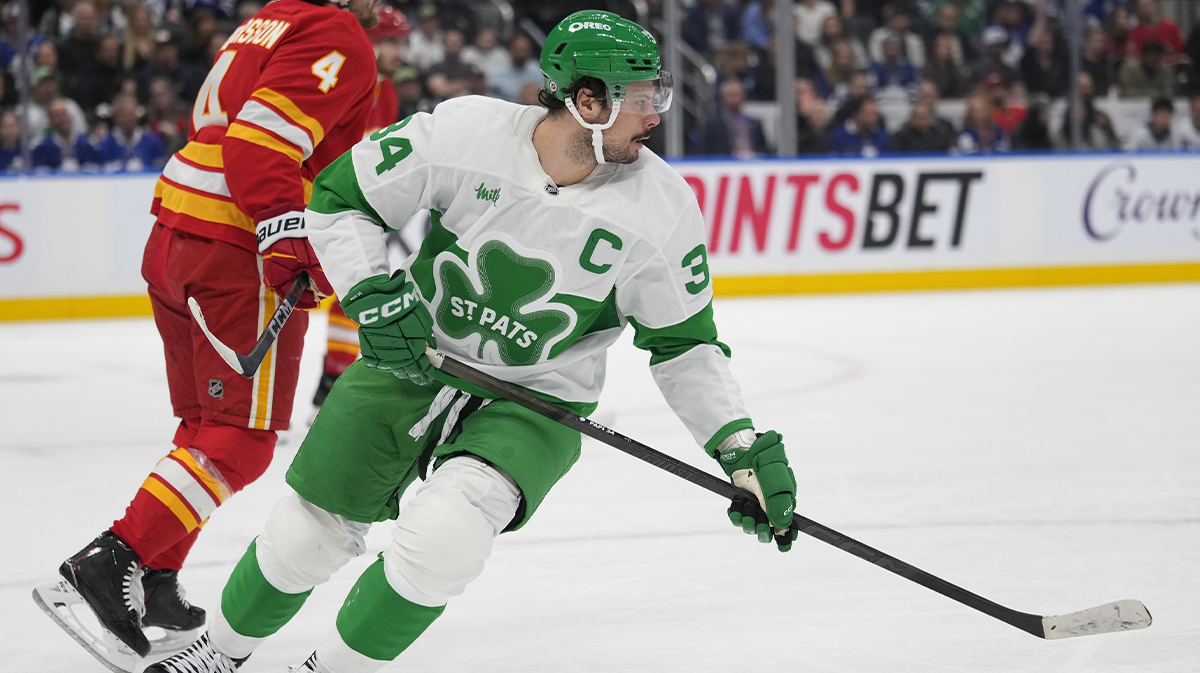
(528, 281)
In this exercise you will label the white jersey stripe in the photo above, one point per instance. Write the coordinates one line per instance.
(182, 481)
(260, 115)
(189, 176)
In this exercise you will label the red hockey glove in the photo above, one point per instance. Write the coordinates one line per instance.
(283, 243)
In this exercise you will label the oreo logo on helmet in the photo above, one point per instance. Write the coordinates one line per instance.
(582, 25)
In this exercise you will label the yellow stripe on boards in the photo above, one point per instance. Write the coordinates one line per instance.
(956, 279)
(70, 308)
(155, 488)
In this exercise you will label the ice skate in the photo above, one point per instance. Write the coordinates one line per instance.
(200, 657)
(171, 622)
(106, 578)
(310, 665)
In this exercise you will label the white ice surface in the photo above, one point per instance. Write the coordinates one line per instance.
(1041, 448)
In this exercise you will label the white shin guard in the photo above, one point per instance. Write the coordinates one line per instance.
(444, 535)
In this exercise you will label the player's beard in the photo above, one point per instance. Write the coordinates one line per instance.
(615, 151)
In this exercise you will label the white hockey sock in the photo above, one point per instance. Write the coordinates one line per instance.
(229, 642)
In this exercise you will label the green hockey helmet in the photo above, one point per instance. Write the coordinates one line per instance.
(616, 51)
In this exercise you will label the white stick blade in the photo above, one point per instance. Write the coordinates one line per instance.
(224, 351)
(1128, 615)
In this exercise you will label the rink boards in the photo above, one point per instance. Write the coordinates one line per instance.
(71, 246)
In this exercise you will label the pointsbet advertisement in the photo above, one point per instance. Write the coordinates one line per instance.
(771, 226)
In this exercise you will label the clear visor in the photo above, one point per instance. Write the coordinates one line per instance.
(649, 97)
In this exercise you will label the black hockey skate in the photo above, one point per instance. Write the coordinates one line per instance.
(106, 577)
(168, 609)
(200, 657)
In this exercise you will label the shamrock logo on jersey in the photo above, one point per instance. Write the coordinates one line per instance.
(499, 303)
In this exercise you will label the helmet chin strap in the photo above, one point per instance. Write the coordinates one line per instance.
(596, 129)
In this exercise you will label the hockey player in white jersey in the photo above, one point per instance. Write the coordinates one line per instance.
(552, 230)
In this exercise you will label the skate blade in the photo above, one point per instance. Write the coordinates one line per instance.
(59, 601)
(165, 642)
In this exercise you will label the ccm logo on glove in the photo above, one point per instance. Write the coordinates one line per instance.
(397, 305)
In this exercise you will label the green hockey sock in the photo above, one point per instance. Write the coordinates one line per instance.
(377, 622)
(251, 605)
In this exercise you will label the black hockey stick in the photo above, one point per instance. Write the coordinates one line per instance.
(247, 365)
(1126, 615)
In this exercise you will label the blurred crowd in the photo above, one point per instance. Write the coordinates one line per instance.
(110, 84)
(1009, 60)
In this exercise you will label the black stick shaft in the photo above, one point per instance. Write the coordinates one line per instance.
(251, 361)
(1029, 623)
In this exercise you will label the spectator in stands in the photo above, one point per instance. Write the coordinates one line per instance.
(485, 51)
(812, 128)
(995, 44)
(1152, 28)
(1096, 128)
(247, 10)
(810, 16)
(201, 27)
(168, 119)
(186, 78)
(829, 81)
(37, 113)
(1158, 134)
(99, 81)
(129, 146)
(1096, 61)
(732, 61)
(895, 72)
(61, 149)
(139, 39)
(970, 17)
(863, 133)
(1006, 112)
(709, 24)
(927, 93)
(57, 21)
(898, 22)
(77, 51)
(1044, 67)
(449, 78)
(1120, 25)
(1034, 132)
(1188, 130)
(425, 44)
(8, 92)
(411, 92)
(1010, 16)
(46, 56)
(920, 134)
(947, 28)
(980, 133)
(762, 76)
(730, 132)
(522, 68)
(1147, 76)
(832, 32)
(758, 23)
(859, 86)
(941, 71)
(12, 150)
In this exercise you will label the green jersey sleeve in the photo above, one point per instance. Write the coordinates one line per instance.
(374, 187)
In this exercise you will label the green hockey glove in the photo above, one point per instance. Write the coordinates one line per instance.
(394, 326)
(759, 465)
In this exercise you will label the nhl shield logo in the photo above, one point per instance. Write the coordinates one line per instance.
(216, 389)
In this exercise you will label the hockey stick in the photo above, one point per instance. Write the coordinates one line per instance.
(1126, 615)
(247, 365)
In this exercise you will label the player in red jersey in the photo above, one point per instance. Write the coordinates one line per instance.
(289, 92)
(341, 347)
